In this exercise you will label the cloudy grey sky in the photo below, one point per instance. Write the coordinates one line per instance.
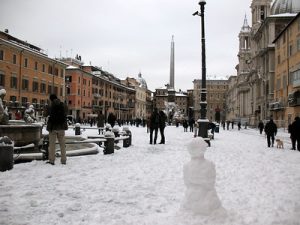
(132, 36)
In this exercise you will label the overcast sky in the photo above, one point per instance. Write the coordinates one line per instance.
(132, 36)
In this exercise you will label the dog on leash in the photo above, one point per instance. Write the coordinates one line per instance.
(279, 143)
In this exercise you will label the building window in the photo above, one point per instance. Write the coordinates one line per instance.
(14, 59)
(2, 79)
(36, 65)
(49, 89)
(24, 101)
(298, 44)
(43, 68)
(295, 78)
(25, 62)
(61, 72)
(290, 50)
(13, 98)
(50, 69)
(1, 54)
(283, 38)
(56, 90)
(56, 71)
(25, 84)
(35, 86)
(13, 82)
(43, 88)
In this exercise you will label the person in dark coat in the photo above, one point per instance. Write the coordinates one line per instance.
(271, 131)
(154, 125)
(162, 125)
(191, 124)
(100, 121)
(56, 125)
(185, 125)
(294, 130)
(239, 125)
(111, 119)
(261, 126)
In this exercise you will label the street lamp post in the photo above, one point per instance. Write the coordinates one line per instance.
(203, 121)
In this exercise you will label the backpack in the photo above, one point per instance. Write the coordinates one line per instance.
(57, 114)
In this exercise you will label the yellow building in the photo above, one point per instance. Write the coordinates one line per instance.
(287, 73)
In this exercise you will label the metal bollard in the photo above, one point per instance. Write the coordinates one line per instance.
(127, 142)
(77, 129)
(6, 154)
(109, 144)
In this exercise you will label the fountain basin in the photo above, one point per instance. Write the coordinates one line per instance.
(22, 134)
(71, 150)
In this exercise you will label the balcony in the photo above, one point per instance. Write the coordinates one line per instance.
(294, 99)
(276, 106)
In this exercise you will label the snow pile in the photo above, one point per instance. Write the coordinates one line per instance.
(199, 177)
(6, 141)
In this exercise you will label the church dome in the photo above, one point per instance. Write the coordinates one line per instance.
(285, 6)
(142, 81)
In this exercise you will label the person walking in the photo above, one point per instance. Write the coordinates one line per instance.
(111, 119)
(191, 124)
(100, 122)
(56, 126)
(294, 130)
(185, 125)
(271, 131)
(261, 126)
(239, 125)
(154, 124)
(162, 125)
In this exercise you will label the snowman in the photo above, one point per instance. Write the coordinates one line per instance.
(199, 177)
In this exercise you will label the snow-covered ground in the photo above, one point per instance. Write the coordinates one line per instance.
(143, 184)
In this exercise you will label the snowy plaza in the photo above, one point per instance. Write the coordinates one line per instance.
(144, 184)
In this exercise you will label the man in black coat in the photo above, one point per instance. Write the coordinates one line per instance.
(154, 125)
(271, 131)
(294, 129)
(162, 125)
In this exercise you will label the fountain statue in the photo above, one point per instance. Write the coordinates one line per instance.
(173, 112)
(4, 117)
(29, 115)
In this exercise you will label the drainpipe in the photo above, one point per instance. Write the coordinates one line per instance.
(20, 75)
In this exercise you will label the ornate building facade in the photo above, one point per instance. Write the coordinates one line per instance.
(256, 82)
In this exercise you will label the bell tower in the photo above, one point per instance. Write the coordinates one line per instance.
(244, 47)
(260, 10)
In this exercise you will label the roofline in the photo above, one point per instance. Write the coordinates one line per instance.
(286, 27)
(271, 17)
(10, 37)
(32, 51)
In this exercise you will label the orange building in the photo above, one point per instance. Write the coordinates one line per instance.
(28, 75)
(287, 73)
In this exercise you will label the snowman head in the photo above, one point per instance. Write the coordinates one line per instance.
(197, 147)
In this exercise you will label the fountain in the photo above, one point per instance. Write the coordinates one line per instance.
(173, 113)
(20, 132)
